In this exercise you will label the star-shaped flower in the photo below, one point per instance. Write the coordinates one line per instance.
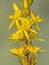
(35, 20)
(24, 29)
(16, 16)
(35, 50)
(17, 52)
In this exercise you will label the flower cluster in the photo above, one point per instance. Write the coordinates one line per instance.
(24, 23)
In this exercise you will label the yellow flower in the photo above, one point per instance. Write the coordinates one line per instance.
(17, 37)
(16, 16)
(24, 29)
(35, 50)
(35, 19)
(24, 20)
(17, 52)
(22, 24)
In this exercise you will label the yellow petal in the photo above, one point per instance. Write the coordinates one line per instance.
(26, 34)
(11, 16)
(19, 31)
(42, 51)
(21, 50)
(38, 17)
(14, 37)
(41, 40)
(39, 20)
(30, 24)
(33, 31)
(36, 49)
(17, 24)
(14, 51)
(30, 48)
(15, 6)
(38, 29)
(33, 16)
(11, 25)
(26, 3)
(11, 42)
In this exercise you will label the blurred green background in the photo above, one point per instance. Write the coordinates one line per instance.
(39, 6)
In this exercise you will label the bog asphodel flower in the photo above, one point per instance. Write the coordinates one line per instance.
(17, 52)
(15, 17)
(35, 20)
(24, 29)
(24, 21)
(17, 37)
(35, 50)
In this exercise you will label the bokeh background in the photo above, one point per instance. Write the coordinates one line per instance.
(39, 6)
